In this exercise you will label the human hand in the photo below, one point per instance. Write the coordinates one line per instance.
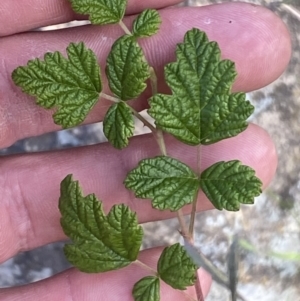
(254, 38)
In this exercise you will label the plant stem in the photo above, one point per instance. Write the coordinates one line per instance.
(124, 27)
(143, 120)
(188, 296)
(194, 205)
(183, 229)
(193, 216)
(145, 267)
(153, 80)
(192, 224)
(159, 132)
(199, 159)
(198, 289)
(109, 97)
(161, 142)
(159, 136)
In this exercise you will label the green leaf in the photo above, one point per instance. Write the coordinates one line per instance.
(290, 256)
(146, 24)
(227, 184)
(71, 85)
(176, 268)
(147, 289)
(247, 245)
(127, 69)
(100, 242)
(118, 125)
(201, 110)
(169, 183)
(101, 11)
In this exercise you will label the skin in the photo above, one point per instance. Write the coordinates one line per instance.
(253, 37)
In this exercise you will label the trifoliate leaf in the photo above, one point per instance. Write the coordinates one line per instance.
(127, 69)
(71, 85)
(118, 125)
(100, 242)
(201, 110)
(176, 268)
(101, 11)
(146, 24)
(227, 184)
(169, 183)
(147, 289)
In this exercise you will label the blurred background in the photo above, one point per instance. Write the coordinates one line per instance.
(264, 239)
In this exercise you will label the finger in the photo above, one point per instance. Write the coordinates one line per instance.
(31, 14)
(116, 285)
(29, 184)
(256, 40)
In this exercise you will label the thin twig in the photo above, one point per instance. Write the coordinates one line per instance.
(143, 120)
(199, 159)
(190, 297)
(189, 240)
(193, 216)
(161, 142)
(145, 266)
(183, 229)
(125, 28)
(198, 289)
(291, 9)
(109, 97)
(156, 133)
(159, 132)
(201, 261)
(194, 206)
(153, 80)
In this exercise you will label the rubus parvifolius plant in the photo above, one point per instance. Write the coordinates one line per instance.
(200, 110)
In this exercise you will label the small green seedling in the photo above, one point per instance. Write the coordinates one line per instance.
(200, 110)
